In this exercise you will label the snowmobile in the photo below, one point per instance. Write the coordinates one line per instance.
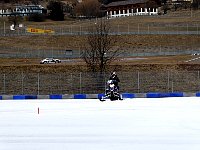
(112, 92)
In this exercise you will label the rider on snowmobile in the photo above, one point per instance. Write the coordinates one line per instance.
(112, 90)
(115, 79)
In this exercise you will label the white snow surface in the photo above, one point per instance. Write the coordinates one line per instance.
(132, 124)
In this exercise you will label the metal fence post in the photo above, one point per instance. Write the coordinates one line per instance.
(105, 83)
(38, 85)
(128, 29)
(4, 83)
(22, 76)
(71, 75)
(198, 79)
(4, 28)
(118, 29)
(59, 85)
(168, 81)
(80, 82)
(138, 81)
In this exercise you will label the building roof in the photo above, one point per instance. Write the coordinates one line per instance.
(127, 2)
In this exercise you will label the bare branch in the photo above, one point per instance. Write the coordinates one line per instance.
(99, 51)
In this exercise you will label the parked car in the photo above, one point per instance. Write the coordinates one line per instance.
(196, 54)
(50, 60)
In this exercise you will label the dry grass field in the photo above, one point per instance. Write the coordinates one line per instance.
(126, 42)
(184, 20)
(130, 64)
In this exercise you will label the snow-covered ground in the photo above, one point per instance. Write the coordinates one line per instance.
(134, 124)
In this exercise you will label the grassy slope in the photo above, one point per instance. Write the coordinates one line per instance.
(127, 42)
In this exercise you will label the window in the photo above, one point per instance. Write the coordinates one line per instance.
(68, 52)
(117, 11)
(125, 11)
(143, 10)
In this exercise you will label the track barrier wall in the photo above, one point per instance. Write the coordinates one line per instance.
(198, 94)
(20, 97)
(160, 95)
(128, 95)
(98, 96)
(79, 96)
(55, 96)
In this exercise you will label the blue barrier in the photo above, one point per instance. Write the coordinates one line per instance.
(165, 95)
(176, 94)
(100, 96)
(55, 96)
(79, 96)
(18, 97)
(30, 96)
(128, 95)
(198, 94)
(153, 95)
(160, 95)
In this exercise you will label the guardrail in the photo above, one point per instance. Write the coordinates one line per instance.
(97, 96)
(138, 29)
(57, 52)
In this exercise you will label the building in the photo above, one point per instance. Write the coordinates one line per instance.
(182, 1)
(23, 10)
(131, 8)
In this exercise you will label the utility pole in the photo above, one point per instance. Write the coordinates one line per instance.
(4, 28)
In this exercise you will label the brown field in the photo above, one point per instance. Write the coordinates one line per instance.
(126, 42)
(135, 43)
(130, 64)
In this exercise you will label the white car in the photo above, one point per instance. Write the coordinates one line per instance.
(50, 60)
(195, 54)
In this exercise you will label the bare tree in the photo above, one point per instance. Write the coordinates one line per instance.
(196, 4)
(88, 9)
(99, 50)
(56, 10)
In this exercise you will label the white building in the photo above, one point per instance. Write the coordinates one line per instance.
(131, 8)
(23, 10)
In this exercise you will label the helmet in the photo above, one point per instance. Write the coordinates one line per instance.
(113, 73)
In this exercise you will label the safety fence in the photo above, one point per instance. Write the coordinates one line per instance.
(116, 29)
(60, 52)
(92, 83)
